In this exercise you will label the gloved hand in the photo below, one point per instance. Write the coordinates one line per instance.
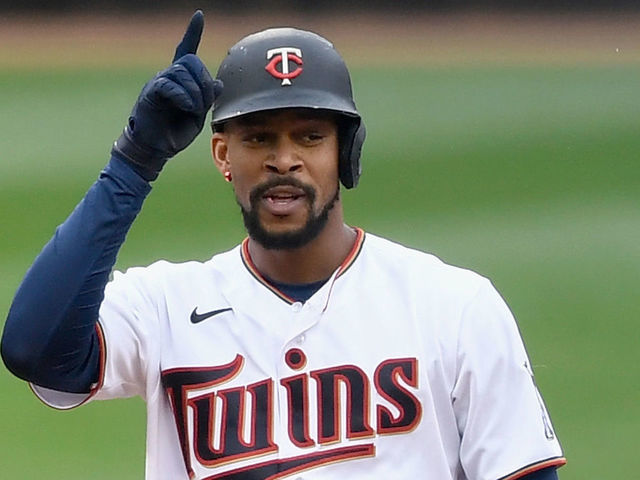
(171, 109)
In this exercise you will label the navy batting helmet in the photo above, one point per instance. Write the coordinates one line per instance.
(291, 68)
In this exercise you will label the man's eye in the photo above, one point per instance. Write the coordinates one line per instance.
(313, 137)
(255, 138)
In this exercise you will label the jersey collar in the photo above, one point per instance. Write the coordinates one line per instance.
(344, 266)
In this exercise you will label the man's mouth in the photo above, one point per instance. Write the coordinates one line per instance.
(283, 199)
(283, 194)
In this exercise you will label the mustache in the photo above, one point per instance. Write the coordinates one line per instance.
(259, 190)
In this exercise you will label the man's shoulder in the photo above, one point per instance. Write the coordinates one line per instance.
(392, 251)
(165, 268)
(414, 264)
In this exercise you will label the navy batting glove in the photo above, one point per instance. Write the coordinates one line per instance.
(171, 109)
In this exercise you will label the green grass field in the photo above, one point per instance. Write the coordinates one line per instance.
(529, 175)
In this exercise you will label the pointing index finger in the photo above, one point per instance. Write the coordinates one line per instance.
(191, 39)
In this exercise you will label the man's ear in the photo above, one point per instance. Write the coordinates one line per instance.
(219, 151)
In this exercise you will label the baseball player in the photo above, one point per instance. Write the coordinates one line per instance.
(312, 350)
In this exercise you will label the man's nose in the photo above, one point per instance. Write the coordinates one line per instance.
(284, 158)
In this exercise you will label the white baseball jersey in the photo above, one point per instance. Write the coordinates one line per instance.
(399, 367)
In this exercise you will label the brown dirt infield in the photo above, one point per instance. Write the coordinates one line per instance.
(74, 41)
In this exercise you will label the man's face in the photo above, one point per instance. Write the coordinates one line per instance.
(284, 166)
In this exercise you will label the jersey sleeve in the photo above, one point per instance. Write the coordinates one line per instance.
(504, 426)
(129, 342)
(131, 337)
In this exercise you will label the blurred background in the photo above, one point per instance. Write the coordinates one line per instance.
(503, 136)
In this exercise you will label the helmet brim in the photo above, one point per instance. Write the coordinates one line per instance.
(283, 98)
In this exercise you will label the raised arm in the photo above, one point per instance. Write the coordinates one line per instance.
(49, 337)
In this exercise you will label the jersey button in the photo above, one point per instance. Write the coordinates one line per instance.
(300, 340)
(296, 306)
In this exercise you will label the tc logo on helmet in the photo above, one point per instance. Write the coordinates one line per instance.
(282, 56)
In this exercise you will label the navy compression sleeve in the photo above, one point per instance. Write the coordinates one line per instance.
(544, 474)
(50, 338)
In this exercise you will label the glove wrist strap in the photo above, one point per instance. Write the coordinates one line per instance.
(148, 163)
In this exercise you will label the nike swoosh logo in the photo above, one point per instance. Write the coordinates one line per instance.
(199, 317)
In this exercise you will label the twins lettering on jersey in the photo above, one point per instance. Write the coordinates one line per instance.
(220, 438)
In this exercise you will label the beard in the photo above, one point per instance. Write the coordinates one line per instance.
(292, 239)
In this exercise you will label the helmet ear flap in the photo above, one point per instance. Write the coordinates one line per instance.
(351, 140)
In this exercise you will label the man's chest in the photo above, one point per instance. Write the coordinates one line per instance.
(303, 386)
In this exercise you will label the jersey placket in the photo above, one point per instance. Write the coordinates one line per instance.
(292, 431)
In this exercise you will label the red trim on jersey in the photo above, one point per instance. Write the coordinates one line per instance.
(534, 467)
(398, 425)
(96, 387)
(306, 440)
(301, 463)
(179, 401)
(223, 456)
(338, 376)
(253, 270)
(353, 254)
(291, 363)
(351, 258)
(103, 359)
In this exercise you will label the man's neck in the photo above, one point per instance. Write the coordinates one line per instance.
(315, 261)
